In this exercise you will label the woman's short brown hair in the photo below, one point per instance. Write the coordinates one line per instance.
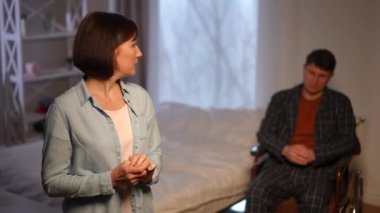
(98, 35)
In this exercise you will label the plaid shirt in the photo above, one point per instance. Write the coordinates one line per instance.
(334, 129)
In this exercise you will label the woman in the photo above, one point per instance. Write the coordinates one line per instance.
(102, 144)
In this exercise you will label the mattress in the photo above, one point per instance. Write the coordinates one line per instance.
(206, 158)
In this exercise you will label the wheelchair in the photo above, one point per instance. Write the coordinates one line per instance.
(347, 194)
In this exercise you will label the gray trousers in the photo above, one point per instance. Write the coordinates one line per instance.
(275, 183)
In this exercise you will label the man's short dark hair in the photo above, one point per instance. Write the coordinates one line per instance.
(98, 35)
(322, 58)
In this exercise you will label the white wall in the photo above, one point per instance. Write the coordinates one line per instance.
(290, 29)
(368, 162)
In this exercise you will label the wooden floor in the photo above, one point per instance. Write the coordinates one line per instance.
(239, 208)
(370, 208)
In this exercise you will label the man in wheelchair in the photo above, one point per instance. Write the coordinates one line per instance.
(306, 130)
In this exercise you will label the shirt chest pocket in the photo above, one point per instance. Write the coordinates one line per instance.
(141, 135)
(141, 128)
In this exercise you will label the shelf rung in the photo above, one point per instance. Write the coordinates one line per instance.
(52, 74)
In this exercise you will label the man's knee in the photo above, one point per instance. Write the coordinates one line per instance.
(315, 202)
(259, 198)
(315, 205)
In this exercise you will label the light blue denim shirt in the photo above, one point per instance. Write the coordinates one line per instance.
(81, 147)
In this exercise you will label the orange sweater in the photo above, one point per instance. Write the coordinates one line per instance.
(304, 131)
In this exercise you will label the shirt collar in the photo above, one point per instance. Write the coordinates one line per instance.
(127, 95)
(84, 95)
(82, 92)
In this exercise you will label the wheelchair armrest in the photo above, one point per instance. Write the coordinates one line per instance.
(256, 151)
(260, 155)
(343, 165)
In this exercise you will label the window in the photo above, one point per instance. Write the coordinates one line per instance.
(207, 52)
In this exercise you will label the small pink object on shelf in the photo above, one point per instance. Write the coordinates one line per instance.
(32, 69)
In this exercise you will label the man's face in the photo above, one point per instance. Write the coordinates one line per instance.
(315, 79)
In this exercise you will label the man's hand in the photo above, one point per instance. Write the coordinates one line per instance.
(298, 154)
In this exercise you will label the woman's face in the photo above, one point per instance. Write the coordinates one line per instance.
(126, 58)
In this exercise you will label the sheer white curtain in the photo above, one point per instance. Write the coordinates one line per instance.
(205, 53)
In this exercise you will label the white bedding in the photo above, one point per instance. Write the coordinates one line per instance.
(206, 160)
(20, 173)
(12, 203)
(205, 157)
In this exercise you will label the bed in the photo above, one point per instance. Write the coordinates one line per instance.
(206, 163)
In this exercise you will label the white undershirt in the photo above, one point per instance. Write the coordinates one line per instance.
(123, 127)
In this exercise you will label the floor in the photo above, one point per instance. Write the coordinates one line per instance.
(240, 206)
(371, 208)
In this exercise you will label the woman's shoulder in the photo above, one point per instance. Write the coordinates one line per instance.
(134, 89)
(67, 95)
(69, 98)
(138, 96)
